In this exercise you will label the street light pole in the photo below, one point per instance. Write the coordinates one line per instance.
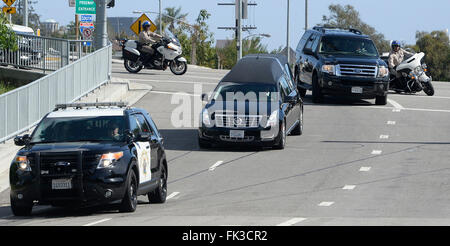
(160, 23)
(239, 29)
(101, 34)
(287, 35)
(25, 12)
(306, 15)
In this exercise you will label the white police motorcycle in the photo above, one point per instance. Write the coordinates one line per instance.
(168, 54)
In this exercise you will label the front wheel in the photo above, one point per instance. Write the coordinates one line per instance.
(21, 209)
(132, 67)
(129, 201)
(160, 193)
(381, 100)
(282, 137)
(428, 89)
(178, 67)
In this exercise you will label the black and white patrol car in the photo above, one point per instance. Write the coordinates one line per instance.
(89, 154)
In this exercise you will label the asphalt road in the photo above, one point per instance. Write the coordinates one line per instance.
(355, 164)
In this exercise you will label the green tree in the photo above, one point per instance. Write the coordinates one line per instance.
(8, 39)
(348, 17)
(228, 54)
(171, 18)
(34, 20)
(436, 47)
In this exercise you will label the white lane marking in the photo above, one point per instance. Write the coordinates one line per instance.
(4, 205)
(349, 187)
(364, 169)
(215, 165)
(384, 136)
(405, 109)
(98, 222)
(325, 204)
(172, 195)
(173, 81)
(395, 104)
(391, 122)
(376, 152)
(174, 93)
(396, 110)
(292, 221)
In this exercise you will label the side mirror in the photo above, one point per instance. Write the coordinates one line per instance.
(204, 97)
(308, 51)
(22, 140)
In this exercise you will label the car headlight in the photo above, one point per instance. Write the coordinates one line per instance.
(383, 72)
(205, 117)
(273, 119)
(22, 163)
(330, 69)
(108, 160)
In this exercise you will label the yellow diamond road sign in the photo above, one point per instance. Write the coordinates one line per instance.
(9, 10)
(137, 25)
(9, 2)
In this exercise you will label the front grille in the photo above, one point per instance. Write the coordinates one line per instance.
(353, 70)
(59, 165)
(231, 139)
(236, 121)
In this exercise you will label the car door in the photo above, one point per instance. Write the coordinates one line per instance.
(310, 60)
(153, 143)
(286, 106)
(296, 108)
(301, 57)
(143, 151)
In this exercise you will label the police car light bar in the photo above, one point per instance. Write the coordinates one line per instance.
(95, 104)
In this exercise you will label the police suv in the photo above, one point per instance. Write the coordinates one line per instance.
(88, 154)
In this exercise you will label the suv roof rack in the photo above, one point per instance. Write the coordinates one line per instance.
(95, 104)
(324, 29)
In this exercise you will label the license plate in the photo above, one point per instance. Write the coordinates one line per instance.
(236, 134)
(357, 90)
(61, 184)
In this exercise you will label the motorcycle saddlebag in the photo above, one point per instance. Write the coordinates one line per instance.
(129, 55)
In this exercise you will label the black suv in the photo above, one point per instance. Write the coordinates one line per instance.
(256, 103)
(340, 62)
(89, 154)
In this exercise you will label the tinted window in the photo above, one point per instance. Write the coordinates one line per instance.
(284, 87)
(143, 123)
(245, 91)
(310, 41)
(302, 41)
(105, 128)
(134, 125)
(315, 43)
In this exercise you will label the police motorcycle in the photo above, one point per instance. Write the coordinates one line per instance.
(415, 76)
(167, 54)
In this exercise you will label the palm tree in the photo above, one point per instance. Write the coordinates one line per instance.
(170, 18)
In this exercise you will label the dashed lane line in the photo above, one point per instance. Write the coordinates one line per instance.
(217, 164)
(384, 136)
(349, 187)
(395, 104)
(172, 195)
(98, 222)
(391, 122)
(292, 221)
(325, 204)
(376, 152)
(365, 169)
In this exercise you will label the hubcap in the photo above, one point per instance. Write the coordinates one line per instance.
(178, 67)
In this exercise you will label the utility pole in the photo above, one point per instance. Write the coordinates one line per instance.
(160, 14)
(25, 12)
(288, 49)
(101, 34)
(241, 13)
(306, 15)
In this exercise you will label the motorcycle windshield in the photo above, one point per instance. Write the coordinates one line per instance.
(170, 35)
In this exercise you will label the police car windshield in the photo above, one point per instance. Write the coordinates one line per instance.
(347, 46)
(93, 129)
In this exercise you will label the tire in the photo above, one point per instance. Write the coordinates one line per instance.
(131, 66)
(298, 130)
(21, 210)
(203, 144)
(428, 89)
(129, 201)
(282, 140)
(317, 95)
(160, 193)
(178, 68)
(381, 100)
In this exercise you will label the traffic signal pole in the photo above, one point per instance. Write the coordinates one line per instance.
(101, 34)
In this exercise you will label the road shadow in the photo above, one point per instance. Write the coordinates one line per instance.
(184, 139)
(329, 100)
(141, 73)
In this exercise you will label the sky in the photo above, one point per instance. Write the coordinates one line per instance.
(397, 20)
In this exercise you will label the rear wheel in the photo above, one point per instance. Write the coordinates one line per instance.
(132, 67)
(160, 193)
(317, 95)
(21, 209)
(381, 100)
(302, 92)
(428, 89)
(129, 201)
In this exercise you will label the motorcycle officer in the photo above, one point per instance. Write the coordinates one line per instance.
(396, 57)
(147, 38)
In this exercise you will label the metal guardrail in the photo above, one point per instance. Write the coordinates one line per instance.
(43, 53)
(22, 108)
